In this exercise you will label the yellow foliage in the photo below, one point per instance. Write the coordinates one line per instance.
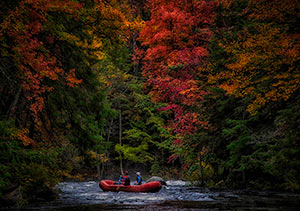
(278, 10)
(226, 3)
(101, 158)
(116, 22)
(264, 66)
(70, 37)
(68, 175)
(22, 135)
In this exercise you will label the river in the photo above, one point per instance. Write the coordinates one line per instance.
(175, 196)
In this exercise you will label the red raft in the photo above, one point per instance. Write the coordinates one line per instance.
(108, 185)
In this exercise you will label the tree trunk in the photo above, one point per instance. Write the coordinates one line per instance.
(13, 105)
(135, 68)
(101, 167)
(102, 170)
(201, 172)
(108, 136)
(120, 141)
(98, 171)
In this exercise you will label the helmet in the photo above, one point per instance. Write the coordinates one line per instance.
(126, 172)
(138, 173)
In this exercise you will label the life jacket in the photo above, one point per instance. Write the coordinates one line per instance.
(126, 180)
(120, 180)
(139, 180)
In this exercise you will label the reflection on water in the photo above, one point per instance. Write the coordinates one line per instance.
(175, 196)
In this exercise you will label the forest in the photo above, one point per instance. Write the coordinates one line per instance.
(202, 90)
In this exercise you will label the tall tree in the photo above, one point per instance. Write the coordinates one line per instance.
(174, 53)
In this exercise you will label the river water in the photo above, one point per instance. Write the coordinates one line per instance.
(175, 196)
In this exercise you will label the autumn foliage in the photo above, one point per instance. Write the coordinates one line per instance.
(264, 56)
(29, 42)
(176, 39)
(211, 85)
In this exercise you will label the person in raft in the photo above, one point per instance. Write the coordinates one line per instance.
(138, 178)
(120, 180)
(126, 179)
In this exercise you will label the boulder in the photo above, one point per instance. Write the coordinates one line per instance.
(155, 178)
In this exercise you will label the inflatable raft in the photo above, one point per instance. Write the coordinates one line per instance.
(108, 185)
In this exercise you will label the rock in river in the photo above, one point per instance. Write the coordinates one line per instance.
(159, 179)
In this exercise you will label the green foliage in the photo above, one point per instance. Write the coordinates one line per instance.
(28, 168)
(241, 136)
(136, 135)
(152, 125)
(137, 154)
(254, 151)
(258, 151)
(145, 134)
(155, 168)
